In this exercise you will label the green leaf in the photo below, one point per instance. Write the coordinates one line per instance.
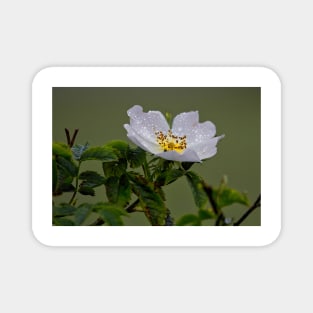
(61, 149)
(54, 174)
(82, 213)
(206, 214)
(169, 176)
(78, 150)
(66, 187)
(67, 165)
(117, 168)
(91, 179)
(87, 191)
(63, 210)
(119, 147)
(189, 219)
(111, 213)
(64, 180)
(118, 190)
(104, 154)
(199, 195)
(225, 196)
(187, 165)
(136, 157)
(151, 201)
(62, 221)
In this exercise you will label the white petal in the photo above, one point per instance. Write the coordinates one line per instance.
(187, 156)
(207, 149)
(146, 124)
(138, 140)
(184, 121)
(200, 133)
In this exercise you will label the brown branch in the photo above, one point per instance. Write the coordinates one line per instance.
(132, 208)
(209, 191)
(70, 142)
(255, 205)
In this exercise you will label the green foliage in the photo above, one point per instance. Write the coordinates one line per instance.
(91, 179)
(199, 195)
(67, 166)
(151, 201)
(104, 154)
(122, 183)
(63, 209)
(119, 147)
(169, 176)
(118, 190)
(111, 213)
(136, 157)
(61, 149)
(86, 190)
(116, 168)
(63, 169)
(225, 196)
(189, 220)
(81, 213)
(62, 221)
(206, 214)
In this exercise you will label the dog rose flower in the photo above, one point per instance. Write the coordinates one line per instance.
(187, 140)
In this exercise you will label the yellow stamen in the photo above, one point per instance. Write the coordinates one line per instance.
(170, 142)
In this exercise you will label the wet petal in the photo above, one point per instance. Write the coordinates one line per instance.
(146, 124)
(187, 156)
(201, 132)
(184, 121)
(207, 149)
(140, 141)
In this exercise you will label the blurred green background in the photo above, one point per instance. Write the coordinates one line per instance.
(99, 114)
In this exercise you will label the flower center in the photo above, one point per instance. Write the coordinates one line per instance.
(169, 141)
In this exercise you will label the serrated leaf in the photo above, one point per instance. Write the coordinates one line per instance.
(120, 147)
(118, 190)
(61, 149)
(104, 154)
(189, 220)
(62, 221)
(136, 157)
(64, 181)
(199, 195)
(78, 150)
(151, 201)
(111, 213)
(117, 168)
(169, 176)
(82, 212)
(67, 165)
(91, 179)
(63, 210)
(86, 191)
(226, 196)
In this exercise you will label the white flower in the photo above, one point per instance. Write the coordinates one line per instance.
(187, 141)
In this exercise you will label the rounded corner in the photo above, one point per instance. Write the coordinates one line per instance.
(273, 239)
(39, 239)
(41, 74)
(271, 73)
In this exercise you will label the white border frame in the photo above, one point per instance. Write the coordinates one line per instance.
(262, 77)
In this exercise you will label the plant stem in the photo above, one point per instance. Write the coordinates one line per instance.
(255, 205)
(76, 185)
(146, 170)
(132, 207)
